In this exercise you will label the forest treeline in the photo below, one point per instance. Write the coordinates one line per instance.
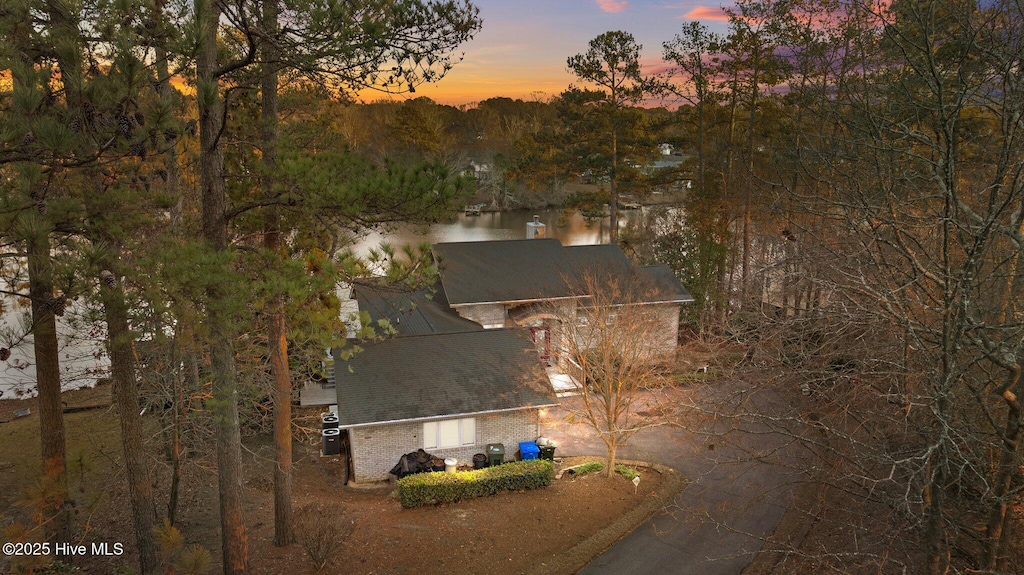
(853, 217)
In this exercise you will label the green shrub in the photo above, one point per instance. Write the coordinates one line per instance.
(627, 472)
(440, 487)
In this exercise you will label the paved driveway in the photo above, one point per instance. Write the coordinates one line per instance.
(717, 524)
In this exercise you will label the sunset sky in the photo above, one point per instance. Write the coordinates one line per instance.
(522, 48)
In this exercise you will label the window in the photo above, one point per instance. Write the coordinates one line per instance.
(449, 433)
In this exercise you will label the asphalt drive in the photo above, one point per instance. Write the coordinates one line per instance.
(741, 483)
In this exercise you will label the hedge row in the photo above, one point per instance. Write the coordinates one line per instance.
(439, 487)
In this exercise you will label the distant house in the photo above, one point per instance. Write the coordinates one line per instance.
(534, 283)
(449, 394)
(481, 171)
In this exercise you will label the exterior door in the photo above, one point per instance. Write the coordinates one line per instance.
(542, 339)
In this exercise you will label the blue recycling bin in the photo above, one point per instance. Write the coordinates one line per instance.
(528, 450)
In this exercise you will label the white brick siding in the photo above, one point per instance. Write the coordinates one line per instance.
(667, 337)
(485, 314)
(376, 449)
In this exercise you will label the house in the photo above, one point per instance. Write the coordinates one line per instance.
(538, 283)
(447, 393)
(473, 361)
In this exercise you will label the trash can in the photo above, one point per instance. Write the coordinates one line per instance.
(547, 452)
(528, 450)
(331, 441)
(479, 461)
(495, 454)
(451, 465)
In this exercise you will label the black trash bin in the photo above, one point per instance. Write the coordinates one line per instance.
(479, 461)
(547, 452)
(495, 454)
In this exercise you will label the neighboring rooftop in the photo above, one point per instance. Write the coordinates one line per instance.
(440, 375)
(504, 271)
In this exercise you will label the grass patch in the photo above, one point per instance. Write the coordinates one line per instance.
(627, 472)
(588, 468)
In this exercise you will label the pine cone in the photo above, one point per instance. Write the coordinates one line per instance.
(59, 306)
(138, 149)
(76, 124)
(140, 118)
(107, 277)
(28, 139)
(5, 354)
(162, 174)
(124, 126)
(190, 127)
(170, 134)
(90, 112)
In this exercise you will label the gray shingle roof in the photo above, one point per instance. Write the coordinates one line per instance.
(438, 375)
(663, 284)
(411, 313)
(523, 270)
(503, 270)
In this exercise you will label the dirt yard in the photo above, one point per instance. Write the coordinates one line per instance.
(550, 530)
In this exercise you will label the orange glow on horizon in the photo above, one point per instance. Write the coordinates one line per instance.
(462, 89)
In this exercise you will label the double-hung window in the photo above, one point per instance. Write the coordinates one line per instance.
(449, 433)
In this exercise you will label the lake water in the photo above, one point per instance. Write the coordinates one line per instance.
(82, 360)
(508, 225)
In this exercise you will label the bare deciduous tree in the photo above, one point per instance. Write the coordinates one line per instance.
(612, 344)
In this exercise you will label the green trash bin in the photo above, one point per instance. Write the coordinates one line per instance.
(547, 452)
(495, 454)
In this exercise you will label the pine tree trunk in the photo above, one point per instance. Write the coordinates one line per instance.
(277, 337)
(47, 359)
(171, 154)
(126, 397)
(234, 542)
(613, 203)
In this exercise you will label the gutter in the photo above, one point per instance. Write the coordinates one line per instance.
(517, 301)
(448, 416)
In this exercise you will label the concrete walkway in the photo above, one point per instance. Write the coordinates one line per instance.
(718, 523)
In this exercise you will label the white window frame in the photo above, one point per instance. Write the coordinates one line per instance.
(437, 434)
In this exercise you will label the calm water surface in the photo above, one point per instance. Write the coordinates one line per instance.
(509, 225)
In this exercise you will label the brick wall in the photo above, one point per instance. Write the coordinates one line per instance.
(667, 337)
(486, 314)
(376, 449)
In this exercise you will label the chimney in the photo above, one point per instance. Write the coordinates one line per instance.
(534, 229)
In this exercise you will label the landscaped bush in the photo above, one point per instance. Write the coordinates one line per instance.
(434, 488)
